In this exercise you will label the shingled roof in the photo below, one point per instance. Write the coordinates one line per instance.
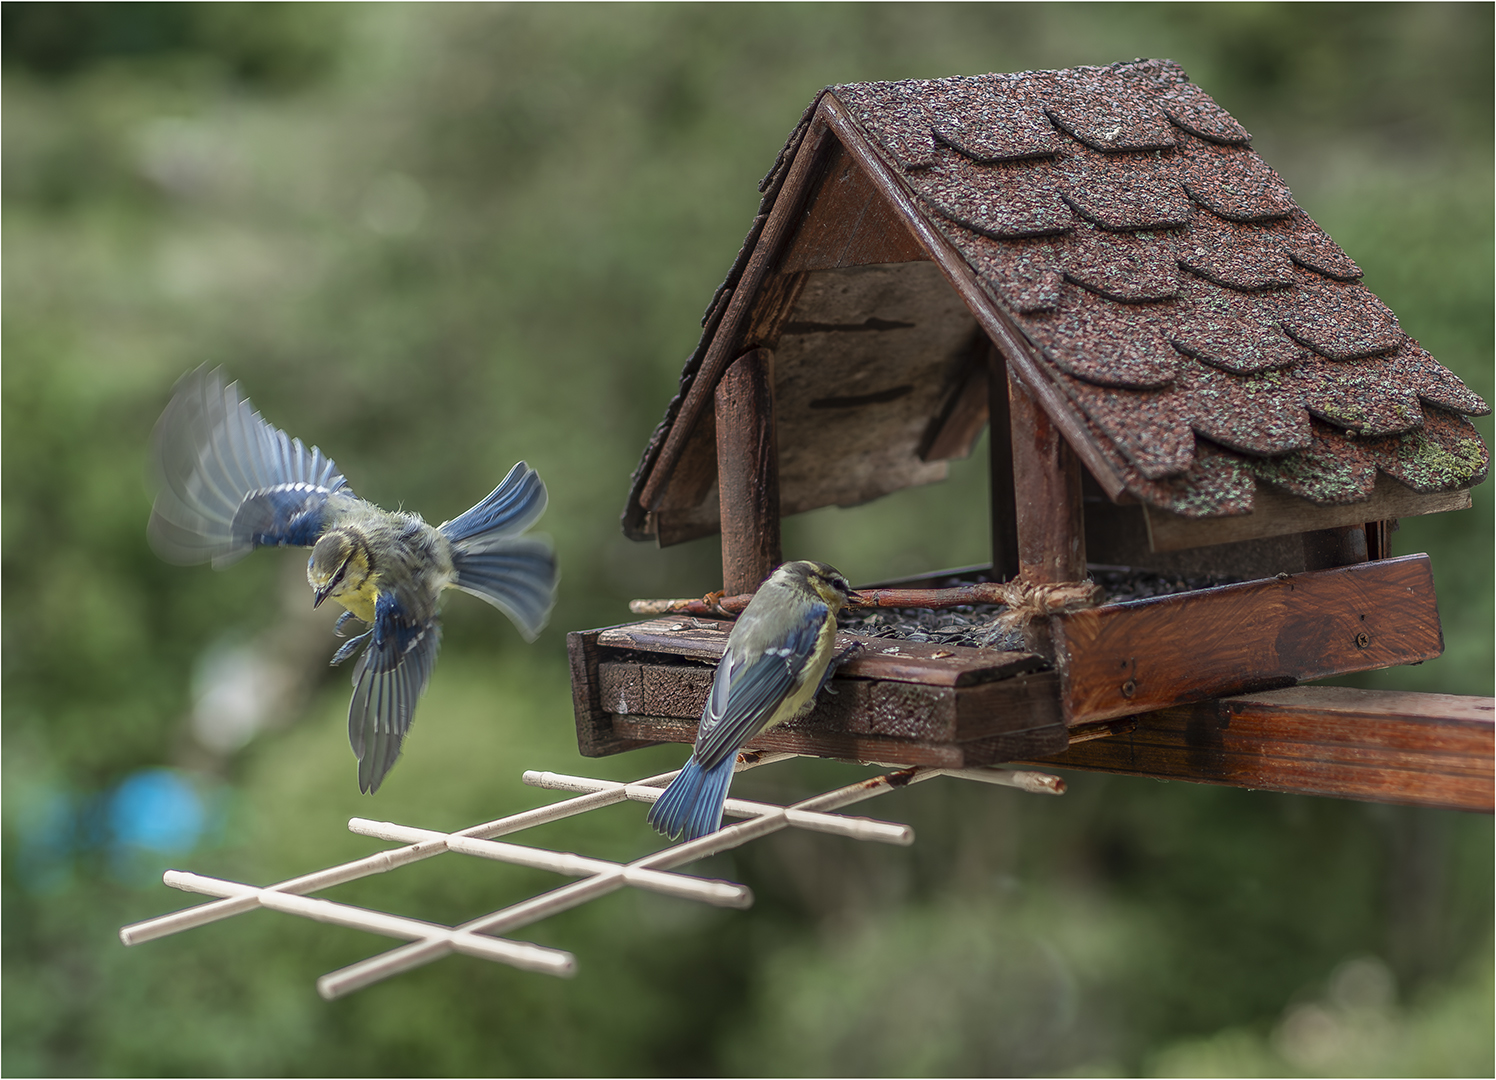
(1204, 332)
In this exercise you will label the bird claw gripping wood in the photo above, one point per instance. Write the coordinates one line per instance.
(712, 601)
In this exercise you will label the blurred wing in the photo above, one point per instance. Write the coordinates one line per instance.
(389, 678)
(228, 482)
(746, 692)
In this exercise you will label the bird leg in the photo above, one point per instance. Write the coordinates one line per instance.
(343, 619)
(836, 661)
(350, 647)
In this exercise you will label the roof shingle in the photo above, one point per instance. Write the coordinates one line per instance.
(1207, 332)
(1203, 318)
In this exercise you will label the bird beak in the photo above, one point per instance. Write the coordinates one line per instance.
(319, 595)
(854, 597)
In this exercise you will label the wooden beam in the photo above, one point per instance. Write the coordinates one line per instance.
(1120, 659)
(748, 472)
(1276, 513)
(1047, 493)
(1002, 505)
(1376, 745)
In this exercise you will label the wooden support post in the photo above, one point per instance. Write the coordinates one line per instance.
(1047, 494)
(1000, 469)
(748, 472)
(1325, 549)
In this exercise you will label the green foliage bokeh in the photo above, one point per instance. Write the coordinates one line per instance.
(437, 239)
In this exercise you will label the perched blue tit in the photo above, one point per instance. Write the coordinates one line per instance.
(229, 482)
(778, 657)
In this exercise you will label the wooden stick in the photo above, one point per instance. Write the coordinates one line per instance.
(719, 893)
(1064, 596)
(517, 954)
(855, 828)
(356, 976)
(1035, 783)
(378, 863)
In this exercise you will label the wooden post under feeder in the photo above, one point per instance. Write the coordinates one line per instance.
(1254, 421)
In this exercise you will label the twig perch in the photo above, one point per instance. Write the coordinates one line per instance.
(1023, 601)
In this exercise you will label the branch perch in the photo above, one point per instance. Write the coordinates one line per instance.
(1023, 600)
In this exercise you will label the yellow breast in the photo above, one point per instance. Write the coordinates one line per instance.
(360, 601)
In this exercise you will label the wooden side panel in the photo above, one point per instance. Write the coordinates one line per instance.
(595, 734)
(820, 743)
(1415, 749)
(1120, 659)
(748, 472)
(900, 710)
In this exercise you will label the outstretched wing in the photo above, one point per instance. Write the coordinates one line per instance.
(389, 678)
(746, 692)
(228, 482)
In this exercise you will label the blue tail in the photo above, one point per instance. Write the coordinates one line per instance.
(516, 574)
(692, 804)
(509, 510)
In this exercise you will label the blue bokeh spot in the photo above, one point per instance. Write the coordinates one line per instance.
(156, 810)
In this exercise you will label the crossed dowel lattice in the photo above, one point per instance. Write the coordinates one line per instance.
(597, 877)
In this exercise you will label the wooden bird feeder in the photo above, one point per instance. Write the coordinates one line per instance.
(1183, 375)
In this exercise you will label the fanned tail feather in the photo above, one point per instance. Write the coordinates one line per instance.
(509, 510)
(692, 805)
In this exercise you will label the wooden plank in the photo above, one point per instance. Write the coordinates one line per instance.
(893, 659)
(1120, 659)
(1027, 365)
(748, 472)
(1380, 746)
(595, 734)
(1276, 513)
(848, 223)
(1046, 482)
(723, 348)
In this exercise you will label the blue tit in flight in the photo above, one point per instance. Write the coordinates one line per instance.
(778, 657)
(228, 482)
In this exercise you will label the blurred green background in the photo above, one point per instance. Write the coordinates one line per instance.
(436, 239)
